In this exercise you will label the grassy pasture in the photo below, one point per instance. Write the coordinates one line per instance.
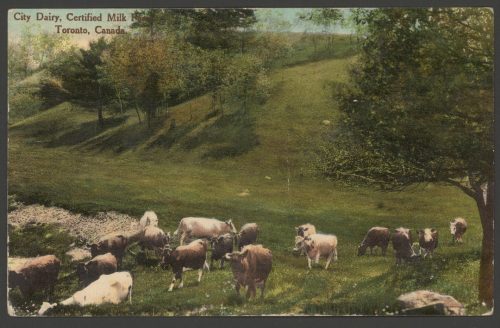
(56, 158)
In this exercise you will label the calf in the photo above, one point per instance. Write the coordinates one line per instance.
(203, 228)
(39, 273)
(114, 244)
(148, 219)
(251, 268)
(247, 235)
(428, 241)
(458, 228)
(316, 246)
(401, 242)
(376, 236)
(220, 247)
(109, 288)
(191, 256)
(91, 270)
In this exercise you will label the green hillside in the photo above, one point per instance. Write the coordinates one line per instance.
(251, 166)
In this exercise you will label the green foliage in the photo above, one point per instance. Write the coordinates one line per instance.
(420, 105)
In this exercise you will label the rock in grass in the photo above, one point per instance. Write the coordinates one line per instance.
(427, 302)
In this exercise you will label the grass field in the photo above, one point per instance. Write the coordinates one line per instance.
(199, 168)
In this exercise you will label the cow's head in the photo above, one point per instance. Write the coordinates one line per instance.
(361, 250)
(301, 230)
(15, 278)
(453, 227)
(231, 226)
(216, 241)
(165, 258)
(302, 243)
(236, 256)
(81, 271)
(94, 249)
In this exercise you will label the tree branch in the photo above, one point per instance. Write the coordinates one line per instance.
(470, 192)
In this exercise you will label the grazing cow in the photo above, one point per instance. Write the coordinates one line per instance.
(458, 228)
(251, 267)
(316, 246)
(191, 256)
(376, 236)
(91, 270)
(220, 247)
(109, 288)
(148, 219)
(114, 244)
(305, 230)
(39, 273)
(247, 235)
(428, 241)
(192, 227)
(153, 238)
(401, 242)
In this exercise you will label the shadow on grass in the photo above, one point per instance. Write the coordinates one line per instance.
(84, 132)
(231, 135)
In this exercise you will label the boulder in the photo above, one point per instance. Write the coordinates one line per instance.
(427, 302)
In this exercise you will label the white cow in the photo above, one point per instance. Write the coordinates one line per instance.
(109, 288)
(148, 219)
(316, 246)
(192, 227)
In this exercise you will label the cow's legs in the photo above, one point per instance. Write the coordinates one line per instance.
(200, 273)
(237, 287)
(371, 250)
(250, 290)
(130, 295)
(328, 260)
(205, 265)
(309, 264)
(182, 239)
(172, 284)
(222, 263)
(181, 284)
(262, 287)
(384, 250)
(316, 260)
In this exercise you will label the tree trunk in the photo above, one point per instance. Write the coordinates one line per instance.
(137, 111)
(100, 118)
(485, 203)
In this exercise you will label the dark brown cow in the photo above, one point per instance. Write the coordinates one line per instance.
(91, 270)
(401, 241)
(247, 235)
(192, 256)
(39, 273)
(114, 244)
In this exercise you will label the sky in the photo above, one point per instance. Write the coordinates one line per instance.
(47, 20)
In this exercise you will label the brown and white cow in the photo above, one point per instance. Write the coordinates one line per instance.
(428, 241)
(305, 230)
(457, 228)
(114, 244)
(191, 256)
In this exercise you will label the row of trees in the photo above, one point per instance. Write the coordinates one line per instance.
(170, 56)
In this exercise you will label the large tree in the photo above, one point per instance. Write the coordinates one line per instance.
(419, 109)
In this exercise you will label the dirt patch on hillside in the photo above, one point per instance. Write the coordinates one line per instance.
(84, 227)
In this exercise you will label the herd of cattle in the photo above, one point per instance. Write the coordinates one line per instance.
(250, 263)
